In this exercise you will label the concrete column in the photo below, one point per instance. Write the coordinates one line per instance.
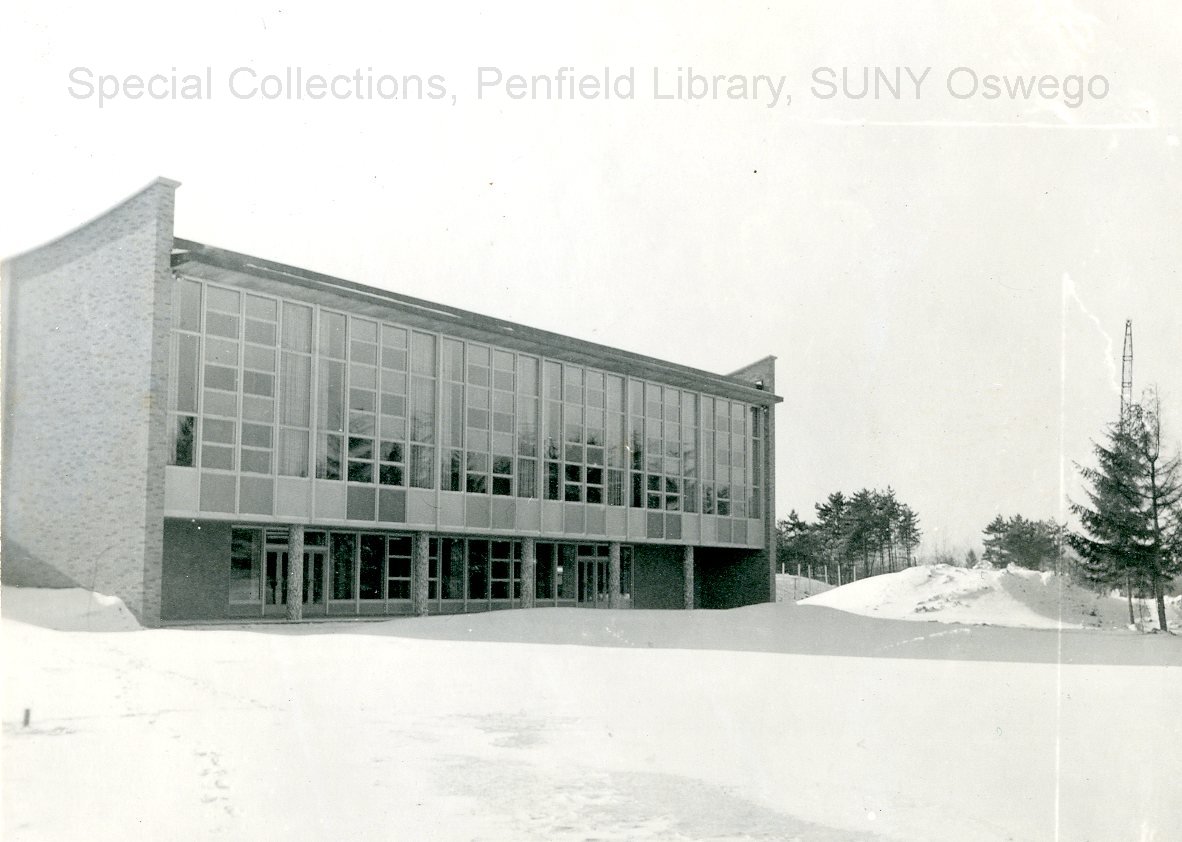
(613, 574)
(529, 571)
(421, 562)
(295, 573)
(687, 564)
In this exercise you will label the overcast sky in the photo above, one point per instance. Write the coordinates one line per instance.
(944, 279)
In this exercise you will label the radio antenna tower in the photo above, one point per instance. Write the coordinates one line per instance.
(1126, 374)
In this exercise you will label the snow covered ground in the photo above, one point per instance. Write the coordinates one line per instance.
(770, 722)
(1012, 597)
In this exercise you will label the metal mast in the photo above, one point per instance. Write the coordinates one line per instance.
(1126, 373)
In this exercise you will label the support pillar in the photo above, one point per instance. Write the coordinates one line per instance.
(529, 572)
(687, 563)
(295, 573)
(421, 563)
(613, 574)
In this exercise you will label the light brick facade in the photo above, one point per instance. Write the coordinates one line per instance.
(86, 321)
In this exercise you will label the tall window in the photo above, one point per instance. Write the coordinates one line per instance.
(258, 384)
(422, 411)
(392, 451)
(185, 374)
(330, 405)
(344, 547)
(689, 451)
(503, 421)
(501, 569)
(400, 567)
(596, 434)
(451, 460)
(477, 570)
(755, 507)
(552, 390)
(527, 426)
(371, 567)
(616, 452)
(636, 419)
(479, 420)
(363, 399)
(295, 384)
(245, 579)
(223, 334)
(707, 450)
(573, 433)
(739, 459)
(452, 568)
(722, 457)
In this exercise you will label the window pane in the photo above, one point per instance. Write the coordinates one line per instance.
(186, 387)
(342, 565)
(328, 456)
(182, 446)
(424, 354)
(186, 305)
(422, 465)
(244, 568)
(296, 383)
(477, 570)
(332, 335)
(373, 552)
(297, 327)
(453, 568)
(222, 300)
(293, 453)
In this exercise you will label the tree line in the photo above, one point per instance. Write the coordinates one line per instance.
(856, 536)
(1034, 544)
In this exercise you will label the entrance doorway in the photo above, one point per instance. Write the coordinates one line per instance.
(593, 576)
(315, 567)
(275, 581)
(276, 578)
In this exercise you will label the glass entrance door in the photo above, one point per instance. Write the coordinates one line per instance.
(315, 567)
(275, 581)
(593, 583)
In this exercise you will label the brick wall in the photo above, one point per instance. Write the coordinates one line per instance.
(86, 330)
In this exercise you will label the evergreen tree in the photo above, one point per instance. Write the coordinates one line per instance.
(861, 528)
(909, 533)
(995, 536)
(798, 542)
(831, 527)
(1030, 543)
(1130, 524)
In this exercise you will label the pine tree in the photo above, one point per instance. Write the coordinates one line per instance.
(861, 529)
(1161, 495)
(909, 533)
(995, 539)
(1130, 532)
(831, 527)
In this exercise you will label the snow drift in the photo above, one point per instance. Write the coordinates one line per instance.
(67, 609)
(1012, 597)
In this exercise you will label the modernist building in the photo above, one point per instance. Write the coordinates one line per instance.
(210, 435)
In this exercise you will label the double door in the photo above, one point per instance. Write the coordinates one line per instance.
(315, 581)
(593, 582)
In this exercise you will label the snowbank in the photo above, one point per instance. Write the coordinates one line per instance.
(1012, 597)
(67, 609)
